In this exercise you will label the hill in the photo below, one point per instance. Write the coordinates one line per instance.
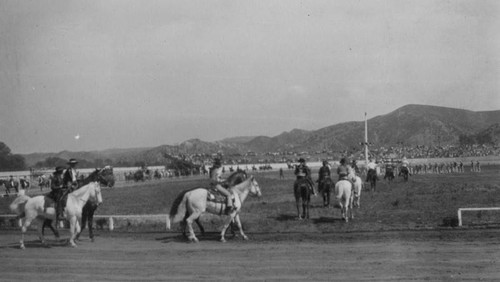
(410, 125)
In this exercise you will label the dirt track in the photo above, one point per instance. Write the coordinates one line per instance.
(418, 255)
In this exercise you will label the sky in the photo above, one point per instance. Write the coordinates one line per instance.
(94, 75)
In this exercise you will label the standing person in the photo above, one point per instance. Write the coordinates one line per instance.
(216, 181)
(56, 190)
(302, 171)
(323, 173)
(372, 170)
(282, 176)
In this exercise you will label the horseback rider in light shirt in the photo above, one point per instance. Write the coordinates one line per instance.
(217, 181)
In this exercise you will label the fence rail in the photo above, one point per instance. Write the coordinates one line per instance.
(460, 210)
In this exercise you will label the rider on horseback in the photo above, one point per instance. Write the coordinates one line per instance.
(217, 181)
(323, 173)
(343, 170)
(56, 186)
(69, 185)
(302, 171)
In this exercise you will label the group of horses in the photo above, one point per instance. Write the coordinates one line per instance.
(188, 205)
(80, 207)
(347, 193)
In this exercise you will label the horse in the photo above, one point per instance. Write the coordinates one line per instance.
(372, 178)
(343, 193)
(235, 178)
(302, 192)
(389, 173)
(10, 184)
(29, 209)
(194, 202)
(104, 176)
(325, 190)
(357, 188)
(405, 172)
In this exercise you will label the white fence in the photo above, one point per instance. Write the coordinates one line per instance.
(473, 209)
(110, 218)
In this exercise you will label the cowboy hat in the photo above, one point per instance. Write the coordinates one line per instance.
(72, 161)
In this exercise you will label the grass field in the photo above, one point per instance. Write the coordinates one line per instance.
(425, 202)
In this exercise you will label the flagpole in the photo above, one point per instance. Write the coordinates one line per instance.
(366, 140)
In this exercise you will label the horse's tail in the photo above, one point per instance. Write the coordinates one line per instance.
(178, 209)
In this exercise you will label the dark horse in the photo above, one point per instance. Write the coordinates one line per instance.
(10, 184)
(234, 179)
(372, 178)
(389, 173)
(325, 190)
(105, 177)
(302, 192)
(405, 172)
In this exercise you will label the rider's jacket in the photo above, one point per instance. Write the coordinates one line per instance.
(56, 186)
(323, 173)
(343, 171)
(69, 179)
(302, 171)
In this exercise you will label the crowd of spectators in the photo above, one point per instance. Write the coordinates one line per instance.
(447, 151)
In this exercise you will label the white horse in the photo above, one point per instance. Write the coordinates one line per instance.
(357, 187)
(344, 195)
(189, 206)
(29, 209)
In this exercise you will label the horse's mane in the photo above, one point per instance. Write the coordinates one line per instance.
(235, 174)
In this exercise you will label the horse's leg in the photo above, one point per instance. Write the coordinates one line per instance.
(189, 222)
(90, 223)
(240, 227)
(224, 228)
(85, 214)
(202, 229)
(40, 231)
(48, 222)
(24, 228)
(74, 228)
(297, 203)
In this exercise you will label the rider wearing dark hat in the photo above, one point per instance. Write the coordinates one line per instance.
(69, 182)
(71, 175)
(302, 171)
(217, 181)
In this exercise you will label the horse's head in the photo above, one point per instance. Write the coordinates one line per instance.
(95, 193)
(254, 187)
(104, 176)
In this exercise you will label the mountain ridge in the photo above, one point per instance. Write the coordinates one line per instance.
(410, 125)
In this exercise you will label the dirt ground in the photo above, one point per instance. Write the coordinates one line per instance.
(436, 255)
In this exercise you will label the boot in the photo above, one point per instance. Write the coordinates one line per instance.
(229, 207)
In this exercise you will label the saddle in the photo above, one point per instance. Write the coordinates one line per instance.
(215, 196)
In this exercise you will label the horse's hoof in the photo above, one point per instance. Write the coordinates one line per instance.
(22, 247)
(222, 240)
(245, 237)
(193, 240)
